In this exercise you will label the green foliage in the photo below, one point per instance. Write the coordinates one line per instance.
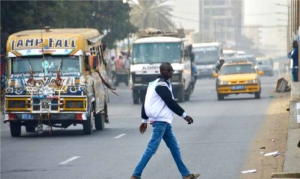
(151, 14)
(24, 15)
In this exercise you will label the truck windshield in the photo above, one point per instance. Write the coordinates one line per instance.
(50, 64)
(157, 53)
(206, 55)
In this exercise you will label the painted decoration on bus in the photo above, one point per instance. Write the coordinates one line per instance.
(45, 43)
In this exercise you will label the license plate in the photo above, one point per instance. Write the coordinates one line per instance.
(238, 87)
(27, 116)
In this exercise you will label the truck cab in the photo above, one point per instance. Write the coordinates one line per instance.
(149, 51)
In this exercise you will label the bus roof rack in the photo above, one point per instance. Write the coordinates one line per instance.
(150, 32)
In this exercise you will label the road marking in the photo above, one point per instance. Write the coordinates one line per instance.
(119, 136)
(69, 160)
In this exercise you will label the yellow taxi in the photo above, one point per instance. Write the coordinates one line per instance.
(238, 78)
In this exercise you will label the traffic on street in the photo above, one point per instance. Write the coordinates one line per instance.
(215, 145)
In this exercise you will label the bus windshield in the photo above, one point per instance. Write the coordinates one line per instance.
(157, 53)
(50, 64)
(206, 55)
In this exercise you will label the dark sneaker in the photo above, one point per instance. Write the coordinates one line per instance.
(192, 176)
(133, 177)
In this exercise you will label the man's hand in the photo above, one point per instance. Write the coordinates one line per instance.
(189, 119)
(143, 128)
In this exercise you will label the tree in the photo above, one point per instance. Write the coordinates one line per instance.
(24, 15)
(151, 14)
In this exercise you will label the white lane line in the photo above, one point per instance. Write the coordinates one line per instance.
(119, 136)
(69, 160)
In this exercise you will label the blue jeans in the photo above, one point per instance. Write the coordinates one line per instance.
(161, 130)
(294, 74)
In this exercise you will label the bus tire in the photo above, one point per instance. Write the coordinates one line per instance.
(15, 129)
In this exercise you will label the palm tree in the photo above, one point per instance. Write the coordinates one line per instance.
(151, 14)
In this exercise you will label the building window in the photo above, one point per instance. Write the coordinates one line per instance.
(217, 2)
(206, 2)
(218, 12)
(207, 12)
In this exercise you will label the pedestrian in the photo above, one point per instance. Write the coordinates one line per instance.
(119, 63)
(294, 56)
(219, 65)
(113, 68)
(158, 110)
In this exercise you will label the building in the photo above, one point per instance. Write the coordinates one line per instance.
(294, 22)
(189, 34)
(221, 20)
(253, 34)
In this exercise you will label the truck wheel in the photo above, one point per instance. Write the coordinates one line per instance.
(87, 124)
(220, 97)
(99, 121)
(142, 96)
(135, 97)
(15, 129)
(30, 128)
(187, 97)
(180, 95)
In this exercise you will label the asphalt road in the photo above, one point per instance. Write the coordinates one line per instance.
(215, 145)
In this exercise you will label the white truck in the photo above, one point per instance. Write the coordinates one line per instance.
(149, 51)
(206, 55)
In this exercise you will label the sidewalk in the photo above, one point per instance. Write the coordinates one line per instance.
(291, 167)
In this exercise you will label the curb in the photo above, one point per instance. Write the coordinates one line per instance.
(285, 175)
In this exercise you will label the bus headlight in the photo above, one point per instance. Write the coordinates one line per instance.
(9, 90)
(73, 89)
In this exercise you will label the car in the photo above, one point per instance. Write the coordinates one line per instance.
(229, 53)
(238, 78)
(266, 65)
(251, 58)
(240, 53)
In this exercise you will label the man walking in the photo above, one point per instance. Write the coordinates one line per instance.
(294, 55)
(158, 109)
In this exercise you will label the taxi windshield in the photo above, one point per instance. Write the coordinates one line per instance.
(237, 69)
(49, 64)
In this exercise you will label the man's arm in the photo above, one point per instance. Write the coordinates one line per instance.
(144, 115)
(163, 91)
(294, 54)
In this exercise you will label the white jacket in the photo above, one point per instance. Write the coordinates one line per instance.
(155, 107)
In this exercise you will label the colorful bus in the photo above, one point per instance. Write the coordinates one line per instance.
(55, 77)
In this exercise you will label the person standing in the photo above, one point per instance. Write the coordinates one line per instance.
(158, 110)
(294, 56)
(119, 63)
(219, 65)
(113, 68)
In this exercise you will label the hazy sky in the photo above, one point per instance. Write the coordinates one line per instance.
(259, 12)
